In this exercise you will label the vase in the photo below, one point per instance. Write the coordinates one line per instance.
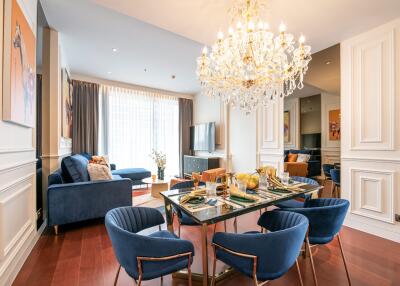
(160, 173)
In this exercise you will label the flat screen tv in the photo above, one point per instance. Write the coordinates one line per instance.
(202, 137)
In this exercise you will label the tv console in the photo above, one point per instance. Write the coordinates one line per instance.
(198, 164)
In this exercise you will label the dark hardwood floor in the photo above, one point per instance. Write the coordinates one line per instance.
(82, 255)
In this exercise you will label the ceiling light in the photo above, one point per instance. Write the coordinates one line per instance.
(173, 76)
(251, 66)
(328, 62)
(109, 72)
(115, 50)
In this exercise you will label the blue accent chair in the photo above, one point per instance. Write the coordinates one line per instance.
(184, 219)
(326, 218)
(335, 175)
(73, 197)
(294, 203)
(326, 168)
(146, 257)
(263, 256)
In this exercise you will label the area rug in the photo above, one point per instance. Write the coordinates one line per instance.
(146, 200)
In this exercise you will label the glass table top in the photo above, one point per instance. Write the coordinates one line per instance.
(226, 208)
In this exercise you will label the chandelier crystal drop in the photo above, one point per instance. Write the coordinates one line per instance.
(251, 66)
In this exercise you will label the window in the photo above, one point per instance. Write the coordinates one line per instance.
(134, 122)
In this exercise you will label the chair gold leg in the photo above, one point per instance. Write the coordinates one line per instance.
(139, 283)
(312, 261)
(299, 272)
(179, 229)
(214, 267)
(56, 229)
(215, 228)
(235, 224)
(116, 276)
(344, 259)
(225, 225)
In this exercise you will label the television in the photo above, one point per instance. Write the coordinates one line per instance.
(202, 137)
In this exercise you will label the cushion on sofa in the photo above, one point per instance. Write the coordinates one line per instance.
(75, 168)
(135, 174)
(304, 158)
(98, 172)
(292, 157)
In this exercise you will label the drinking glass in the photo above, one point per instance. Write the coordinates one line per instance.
(153, 177)
(285, 178)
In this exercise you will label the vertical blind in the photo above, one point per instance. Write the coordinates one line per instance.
(134, 122)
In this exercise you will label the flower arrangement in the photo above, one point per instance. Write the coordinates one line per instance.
(159, 158)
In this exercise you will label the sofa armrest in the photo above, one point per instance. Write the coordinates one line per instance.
(113, 167)
(86, 200)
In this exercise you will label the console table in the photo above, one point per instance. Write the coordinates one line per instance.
(198, 164)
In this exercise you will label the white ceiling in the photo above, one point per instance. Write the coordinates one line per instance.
(90, 31)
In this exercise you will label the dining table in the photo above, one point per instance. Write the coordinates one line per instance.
(223, 208)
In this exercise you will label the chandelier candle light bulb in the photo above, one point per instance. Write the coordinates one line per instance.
(252, 66)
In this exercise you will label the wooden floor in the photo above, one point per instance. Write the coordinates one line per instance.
(82, 255)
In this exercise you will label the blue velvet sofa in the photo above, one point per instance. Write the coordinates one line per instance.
(314, 164)
(72, 197)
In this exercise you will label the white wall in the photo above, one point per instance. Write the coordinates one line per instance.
(370, 106)
(330, 149)
(242, 138)
(17, 182)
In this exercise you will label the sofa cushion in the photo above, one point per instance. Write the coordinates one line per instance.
(98, 172)
(292, 157)
(303, 157)
(75, 168)
(135, 174)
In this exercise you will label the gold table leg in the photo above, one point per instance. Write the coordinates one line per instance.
(169, 216)
(204, 253)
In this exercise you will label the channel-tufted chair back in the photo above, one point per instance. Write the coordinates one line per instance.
(276, 250)
(326, 217)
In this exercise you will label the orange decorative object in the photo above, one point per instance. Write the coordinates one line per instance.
(292, 157)
(212, 174)
(296, 169)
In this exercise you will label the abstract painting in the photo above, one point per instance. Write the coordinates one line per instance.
(334, 125)
(66, 104)
(286, 126)
(19, 67)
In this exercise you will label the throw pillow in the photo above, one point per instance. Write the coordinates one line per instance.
(304, 158)
(99, 160)
(75, 168)
(292, 157)
(99, 172)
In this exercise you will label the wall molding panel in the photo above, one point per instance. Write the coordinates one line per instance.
(372, 194)
(373, 92)
(370, 146)
(270, 144)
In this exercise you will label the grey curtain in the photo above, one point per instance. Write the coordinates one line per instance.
(85, 106)
(185, 121)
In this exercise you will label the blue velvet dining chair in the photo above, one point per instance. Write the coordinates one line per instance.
(294, 203)
(263, 256)
(146, 257)
(184, 219)
(335, 175)
(326, 168)
(326, 218)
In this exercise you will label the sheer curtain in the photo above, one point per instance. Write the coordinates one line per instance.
(134, 122)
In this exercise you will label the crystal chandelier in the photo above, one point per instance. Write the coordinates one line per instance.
(250, 67)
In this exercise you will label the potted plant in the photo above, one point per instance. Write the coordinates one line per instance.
(161, 160)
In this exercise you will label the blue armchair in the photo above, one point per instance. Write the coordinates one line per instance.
(263, 256)
(335, 176)
(294, 203)
(326, 217)
(73, 198)
(146, 257)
